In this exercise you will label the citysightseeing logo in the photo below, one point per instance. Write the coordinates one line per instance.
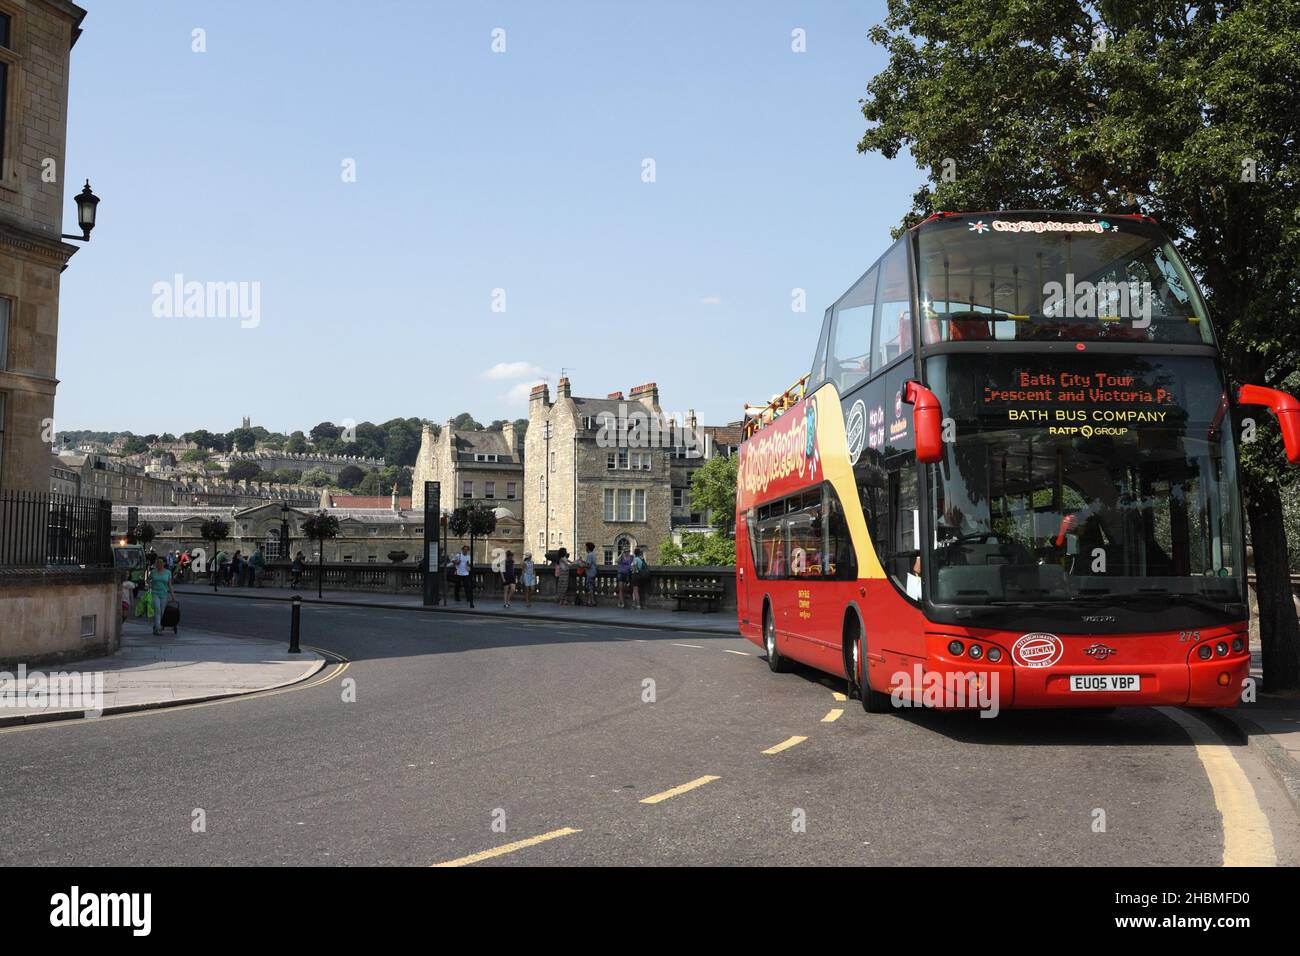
(786, 447)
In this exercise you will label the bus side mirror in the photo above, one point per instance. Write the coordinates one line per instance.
(1284, 407)
(927, 420)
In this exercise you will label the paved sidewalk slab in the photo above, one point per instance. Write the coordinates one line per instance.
(151, 671)
(608, 613)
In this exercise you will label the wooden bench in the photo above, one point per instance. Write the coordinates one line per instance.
(711, 594)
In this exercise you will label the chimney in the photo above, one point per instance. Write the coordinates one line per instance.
(615, 396)
(562, 390)
(508, 433)
(647, 394)
(540, 393)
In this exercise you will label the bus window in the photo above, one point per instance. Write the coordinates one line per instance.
(902, 562)
(852, 327)
(837, 545)
(805, 524)
(894, 308)
(769, 542)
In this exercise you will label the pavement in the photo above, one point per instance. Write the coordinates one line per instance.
(608, 612)
(1270, 725)
(150, 672)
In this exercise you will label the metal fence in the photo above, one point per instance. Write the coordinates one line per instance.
(47, 530)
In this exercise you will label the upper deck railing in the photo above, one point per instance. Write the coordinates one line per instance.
(760, 416)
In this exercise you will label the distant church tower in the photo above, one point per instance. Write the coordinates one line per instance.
(248, 422)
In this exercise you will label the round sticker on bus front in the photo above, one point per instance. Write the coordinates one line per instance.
(855, 430)
(1037, 650)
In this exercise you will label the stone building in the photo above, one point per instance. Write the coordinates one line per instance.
(597, 469)
(104, 476)
(708, 441)
(366, 534)
(303, 462)
(475, 467)
(59, 611)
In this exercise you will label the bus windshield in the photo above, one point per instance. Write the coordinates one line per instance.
(1054, 276)
(1089, 478)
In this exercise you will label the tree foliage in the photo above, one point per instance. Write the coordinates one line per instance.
(714, 550)
(244, 471)
(713, 490)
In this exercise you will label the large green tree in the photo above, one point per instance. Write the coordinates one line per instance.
(1188, 112)
(713, 490)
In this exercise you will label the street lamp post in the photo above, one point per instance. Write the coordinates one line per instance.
(86, 205)
(284, 531)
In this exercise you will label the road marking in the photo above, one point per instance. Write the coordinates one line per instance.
(741, 653)
(1247, 836)
(698, 647)
(833, 716)
(837, 695)
(508, 848)
(676, 791)
(785, 745)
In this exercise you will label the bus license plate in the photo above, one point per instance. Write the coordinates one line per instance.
(1105, 682)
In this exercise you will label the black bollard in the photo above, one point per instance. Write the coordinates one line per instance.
(294, 624)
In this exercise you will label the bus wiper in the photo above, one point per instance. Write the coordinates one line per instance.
(1163, 596)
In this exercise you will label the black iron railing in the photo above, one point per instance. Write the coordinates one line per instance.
(47, 530)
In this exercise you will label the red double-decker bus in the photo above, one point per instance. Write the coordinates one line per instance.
(1012, 470)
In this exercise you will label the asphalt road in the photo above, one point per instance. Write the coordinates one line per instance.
(468, 736)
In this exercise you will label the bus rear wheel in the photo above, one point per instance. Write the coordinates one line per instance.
(873, 701)
(774, 659)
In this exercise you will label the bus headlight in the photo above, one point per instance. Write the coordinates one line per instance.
(1237, 645)
(976, 652)
(1205, 652)
(995, 655)
(955, 648)
(1222, 648)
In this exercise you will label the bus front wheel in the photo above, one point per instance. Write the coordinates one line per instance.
(774, 659)
(873, 701)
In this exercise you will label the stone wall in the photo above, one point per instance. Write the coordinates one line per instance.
(43, 613)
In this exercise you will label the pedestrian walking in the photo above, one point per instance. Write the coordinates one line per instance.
(160, 585)
(508, 577)
(530, 579)
(465, 575)
(256, 565)
(640, 578)
(296, 569)
(591, 569)
(235, 573)
(623, 571)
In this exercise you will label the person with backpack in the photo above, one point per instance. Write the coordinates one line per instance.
(640, 579)
(623, 571)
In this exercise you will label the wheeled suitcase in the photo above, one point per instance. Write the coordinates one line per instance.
(172, 616)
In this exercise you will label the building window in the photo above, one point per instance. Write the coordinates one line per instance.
(638, 498)
(512, 489)
(609, 555)
(609, 505)
(679, 497)
(541, 539)
(541, 487)
(7, 61)
(347, 559)
(489, 489)
(552, 461)
(370, 559)
(6, 308)
(467, 489)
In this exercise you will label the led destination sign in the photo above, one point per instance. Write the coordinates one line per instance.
(1081, 402)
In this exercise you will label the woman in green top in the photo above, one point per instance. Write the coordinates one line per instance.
(160, 585)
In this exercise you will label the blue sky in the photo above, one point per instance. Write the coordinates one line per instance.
(475, 171)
